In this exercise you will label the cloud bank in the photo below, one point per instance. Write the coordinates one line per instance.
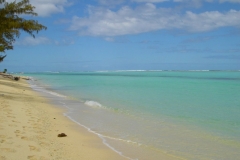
(47, 7)
(111, 2)
(147, 18)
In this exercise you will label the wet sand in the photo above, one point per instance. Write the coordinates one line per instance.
(29, 128)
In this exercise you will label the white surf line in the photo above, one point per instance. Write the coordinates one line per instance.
(91, 131)
(43, 90)
(99, 135)
(102, 137)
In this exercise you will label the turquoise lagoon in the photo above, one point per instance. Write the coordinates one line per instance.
(153, 114)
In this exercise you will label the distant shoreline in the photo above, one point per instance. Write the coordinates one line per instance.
(106, 71)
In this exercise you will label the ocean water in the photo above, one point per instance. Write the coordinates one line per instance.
(153, 115)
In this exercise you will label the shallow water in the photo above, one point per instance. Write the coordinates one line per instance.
(146, 115)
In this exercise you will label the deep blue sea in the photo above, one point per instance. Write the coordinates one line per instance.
(191, 115)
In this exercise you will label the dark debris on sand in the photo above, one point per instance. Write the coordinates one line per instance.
(62, 135)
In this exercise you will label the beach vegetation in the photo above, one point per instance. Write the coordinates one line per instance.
(13, 21)
(2, 57)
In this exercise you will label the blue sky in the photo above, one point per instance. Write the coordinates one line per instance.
(90, 35)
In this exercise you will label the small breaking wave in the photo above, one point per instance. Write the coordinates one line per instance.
(52, 72)
(198, 70)
(121, 71)
(93, 104)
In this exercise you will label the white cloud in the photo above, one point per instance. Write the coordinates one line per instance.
(107, 2)
(150, 1)
(220, 1)
(232, 1)
(111, 2)
(157, 1)
(209, 20)
(47, 7)
(146, 18)
(30, 41)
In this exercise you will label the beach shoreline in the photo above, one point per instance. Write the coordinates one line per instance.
(125, 148)
(37, 110)
(30, 126)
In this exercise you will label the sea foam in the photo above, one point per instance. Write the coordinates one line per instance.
(93, 104)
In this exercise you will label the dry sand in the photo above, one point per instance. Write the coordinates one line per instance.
(29, 128)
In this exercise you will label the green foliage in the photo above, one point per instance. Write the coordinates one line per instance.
(5, 71)
(2, 57)
(11, 23)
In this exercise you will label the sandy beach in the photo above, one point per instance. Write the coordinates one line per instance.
(29, 128)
